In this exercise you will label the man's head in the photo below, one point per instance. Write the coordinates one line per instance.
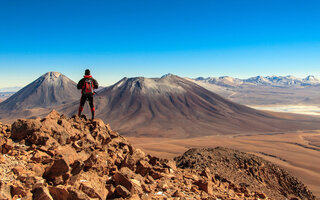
(87, 72)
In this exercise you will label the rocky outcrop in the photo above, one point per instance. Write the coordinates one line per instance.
(246, 170)
(77, 159)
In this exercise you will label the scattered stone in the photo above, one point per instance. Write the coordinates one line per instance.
(122, 191)
(178, 193)
(41, 193)
(121, 179)
(59, 192)
(205, 186)
(74, 158)
(58, 168)
(4, 191)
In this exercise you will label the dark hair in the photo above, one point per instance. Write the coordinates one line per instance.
(87, 72)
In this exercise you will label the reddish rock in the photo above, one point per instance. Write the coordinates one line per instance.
(146, 188)
(121, 179)
(153, 160)
(53, 115)
(143, 168)
(191, 176)
(206, 186)
(171, 164)
(41, 193)
(77, 166)
(156, 174)
(111, 190)
(5, 192)
(206, 173)
(76, 194)
(178, 193)
(91, 160)
(38, 138)
(41, 157)
(23, 128)
(132, 160)
(59, 192)
(261, 195)
(68, 153)
(7, 145)
(92, 190)
(38, 169)
(90, 183)
(18, 170)
(149, 179)
(134, 197)
(58, 168)
(18, 190)
(122, 191)
(127, 172)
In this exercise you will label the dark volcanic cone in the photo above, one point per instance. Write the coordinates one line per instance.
(175, 107)
(49, 90)
(39, 97)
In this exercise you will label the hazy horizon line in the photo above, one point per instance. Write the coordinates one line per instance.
(195, 77)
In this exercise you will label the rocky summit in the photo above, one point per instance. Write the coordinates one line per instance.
(78, 159)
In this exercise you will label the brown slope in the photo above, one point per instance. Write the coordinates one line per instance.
(175, 107)
(50, 90)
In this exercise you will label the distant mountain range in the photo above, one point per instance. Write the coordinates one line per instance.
(275, 81)
(8, 92)
(10, 89)
(259, 90)
(169, 106)
(269, 90)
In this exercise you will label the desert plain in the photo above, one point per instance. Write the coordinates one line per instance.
(296, 151)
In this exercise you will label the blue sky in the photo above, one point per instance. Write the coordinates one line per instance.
(154, 37)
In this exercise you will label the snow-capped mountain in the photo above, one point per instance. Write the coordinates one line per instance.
(265, 90)
(223, 80)
(277, 81)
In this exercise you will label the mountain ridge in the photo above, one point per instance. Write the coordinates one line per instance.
(172, 106)
(284, 81)
(169, 106)
(269, 90)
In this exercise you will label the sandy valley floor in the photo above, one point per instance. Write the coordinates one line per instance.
(298, 152)
(298, 109)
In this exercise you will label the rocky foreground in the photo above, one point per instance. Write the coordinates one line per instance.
(246, 169)
(77, 159)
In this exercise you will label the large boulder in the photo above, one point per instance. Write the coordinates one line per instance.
(23, 128)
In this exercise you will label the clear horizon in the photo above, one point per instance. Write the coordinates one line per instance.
(188, 38)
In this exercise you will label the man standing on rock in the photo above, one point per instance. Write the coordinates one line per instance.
(87, 85)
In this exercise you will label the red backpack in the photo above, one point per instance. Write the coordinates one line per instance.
(88, 87)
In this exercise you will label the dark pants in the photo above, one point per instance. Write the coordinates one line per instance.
(83, 100)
